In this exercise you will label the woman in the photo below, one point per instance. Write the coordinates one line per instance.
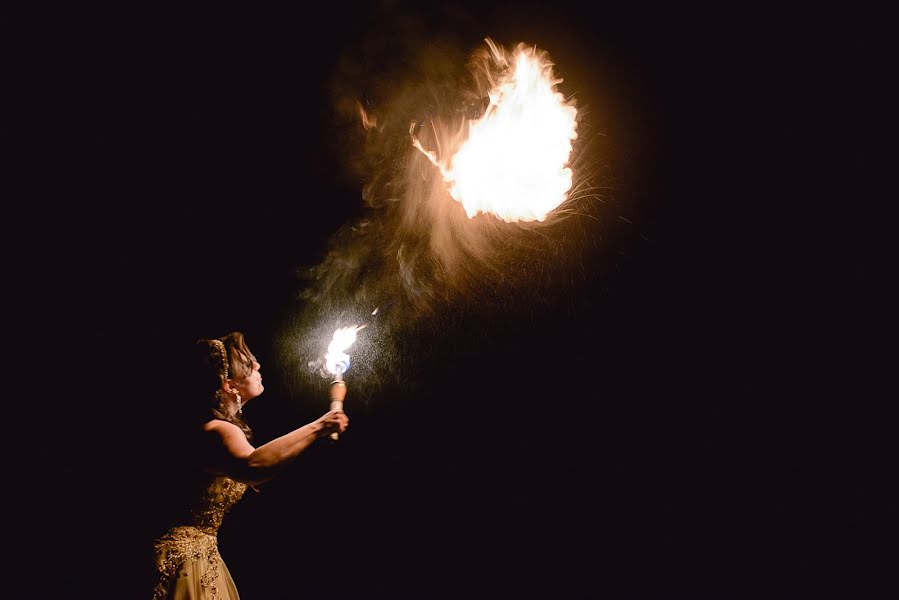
(187, 559)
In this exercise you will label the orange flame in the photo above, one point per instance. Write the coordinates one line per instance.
(513, 163)
(369, 121)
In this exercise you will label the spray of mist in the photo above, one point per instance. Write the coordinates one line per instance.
(415, 261)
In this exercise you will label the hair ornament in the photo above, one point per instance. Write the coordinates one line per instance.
(223, 370)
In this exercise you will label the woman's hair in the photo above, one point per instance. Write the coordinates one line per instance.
(227, 357)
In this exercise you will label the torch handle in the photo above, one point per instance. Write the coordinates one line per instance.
(337, 393)
(336, 405)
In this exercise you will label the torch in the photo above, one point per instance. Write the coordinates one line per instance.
(337, 361)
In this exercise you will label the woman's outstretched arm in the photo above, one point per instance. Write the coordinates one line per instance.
(235, 457)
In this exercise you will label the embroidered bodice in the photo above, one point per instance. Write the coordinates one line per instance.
(206, 511)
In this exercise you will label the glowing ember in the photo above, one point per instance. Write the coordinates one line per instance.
(513, 163)
(337, 361)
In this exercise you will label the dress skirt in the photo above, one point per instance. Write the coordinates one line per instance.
(189, 567)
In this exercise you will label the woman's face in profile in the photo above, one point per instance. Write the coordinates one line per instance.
(250, 386)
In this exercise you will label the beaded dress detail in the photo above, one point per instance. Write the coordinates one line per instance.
(187, 559)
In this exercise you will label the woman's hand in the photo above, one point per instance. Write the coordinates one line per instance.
(333, 421)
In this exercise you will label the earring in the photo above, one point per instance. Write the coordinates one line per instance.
(239, 406)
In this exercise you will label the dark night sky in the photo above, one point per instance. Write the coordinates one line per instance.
(191, 164)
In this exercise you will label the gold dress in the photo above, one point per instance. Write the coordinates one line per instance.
(187, 558)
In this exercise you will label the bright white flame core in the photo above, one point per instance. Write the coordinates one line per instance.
(514, 162)
(337, 361)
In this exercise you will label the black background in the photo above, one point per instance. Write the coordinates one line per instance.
(186, 167)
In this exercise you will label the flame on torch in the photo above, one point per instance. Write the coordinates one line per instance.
(513, 163)
(337, 361)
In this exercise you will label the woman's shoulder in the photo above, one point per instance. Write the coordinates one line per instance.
(219, 425)
(225, 441)
(225, 432)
